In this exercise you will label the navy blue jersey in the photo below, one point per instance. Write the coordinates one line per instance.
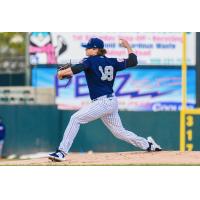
(100, 73)
(2, 131)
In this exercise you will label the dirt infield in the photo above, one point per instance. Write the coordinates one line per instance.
(120, 158)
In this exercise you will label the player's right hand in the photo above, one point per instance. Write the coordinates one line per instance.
(124, 43)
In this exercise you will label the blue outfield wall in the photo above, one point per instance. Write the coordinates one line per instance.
(31, 129)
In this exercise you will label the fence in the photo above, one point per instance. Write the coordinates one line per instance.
(32, 129)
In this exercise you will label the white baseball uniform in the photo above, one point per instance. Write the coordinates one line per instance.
(105, 108)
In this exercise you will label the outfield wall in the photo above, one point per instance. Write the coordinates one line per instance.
(32, 129)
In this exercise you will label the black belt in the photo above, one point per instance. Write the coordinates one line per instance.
(107, 96)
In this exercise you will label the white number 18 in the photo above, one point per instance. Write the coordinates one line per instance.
(107, 73)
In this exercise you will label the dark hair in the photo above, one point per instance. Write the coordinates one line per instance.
(101, 52)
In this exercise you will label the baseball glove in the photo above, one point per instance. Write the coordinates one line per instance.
(61, 69)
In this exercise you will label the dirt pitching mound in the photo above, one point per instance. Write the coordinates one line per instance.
(120, 158)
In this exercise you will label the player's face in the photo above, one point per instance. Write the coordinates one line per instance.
(91, 52)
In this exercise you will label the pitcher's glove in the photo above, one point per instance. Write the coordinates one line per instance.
(61, 69)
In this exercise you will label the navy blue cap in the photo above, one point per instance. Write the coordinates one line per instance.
(94, 43)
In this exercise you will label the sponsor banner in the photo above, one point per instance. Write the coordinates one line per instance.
(137, 89)
(151, 48)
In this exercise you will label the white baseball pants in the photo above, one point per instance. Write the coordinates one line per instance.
(106, 109)
(1, 147)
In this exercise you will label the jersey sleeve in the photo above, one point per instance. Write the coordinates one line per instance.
(85, 63)
(82, 66)
(119, 64)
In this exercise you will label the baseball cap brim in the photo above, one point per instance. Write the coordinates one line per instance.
(87, 46)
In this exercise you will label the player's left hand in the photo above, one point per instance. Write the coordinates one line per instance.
(64, 72)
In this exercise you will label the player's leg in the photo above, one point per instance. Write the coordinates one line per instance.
(1, 147)
(114, 124)
(93, 111)
(82, 116)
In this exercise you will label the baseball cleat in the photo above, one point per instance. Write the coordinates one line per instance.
(153, 146)
(57, 156)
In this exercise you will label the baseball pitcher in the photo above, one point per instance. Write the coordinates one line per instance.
(100, 73)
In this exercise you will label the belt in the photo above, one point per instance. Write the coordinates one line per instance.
(106, 96)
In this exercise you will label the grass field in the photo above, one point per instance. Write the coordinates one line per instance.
(164, 158)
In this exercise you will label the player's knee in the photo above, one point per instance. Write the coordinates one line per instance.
(74, 118)
(119, 132)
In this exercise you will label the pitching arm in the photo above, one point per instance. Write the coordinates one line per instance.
(132, 58)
